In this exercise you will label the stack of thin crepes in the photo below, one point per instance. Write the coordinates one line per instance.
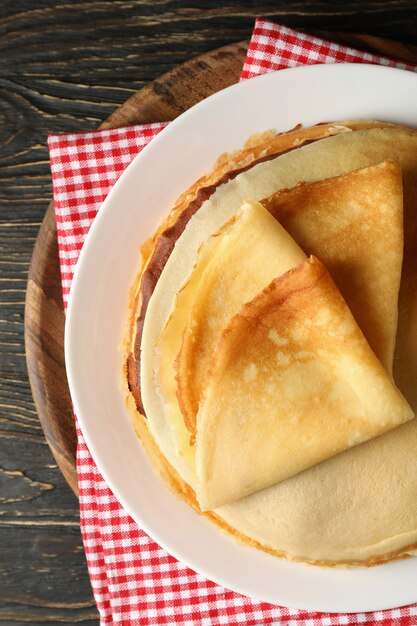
(273, 329)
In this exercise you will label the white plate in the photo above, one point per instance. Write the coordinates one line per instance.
(97, 313)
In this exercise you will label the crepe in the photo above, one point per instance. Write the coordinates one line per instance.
(359, 506)
(354, 224)
(232, 267)
(339, 220)
(293, 382)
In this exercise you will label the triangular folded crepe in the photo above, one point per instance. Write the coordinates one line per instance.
(354, 225)
(293, 382)
(232, 267)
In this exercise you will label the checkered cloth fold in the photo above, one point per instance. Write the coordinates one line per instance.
(135, 582)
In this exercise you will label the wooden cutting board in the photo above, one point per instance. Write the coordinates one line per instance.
(163, 99)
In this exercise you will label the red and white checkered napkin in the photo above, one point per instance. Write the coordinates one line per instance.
(134, 581)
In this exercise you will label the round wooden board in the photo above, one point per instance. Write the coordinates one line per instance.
(163, 99)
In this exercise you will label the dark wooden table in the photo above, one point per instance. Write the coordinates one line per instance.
(66, 66)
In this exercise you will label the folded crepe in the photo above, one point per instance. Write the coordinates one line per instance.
(360, 505)
(232, 267)
(340, 220)
(293, 382)
(354, 225)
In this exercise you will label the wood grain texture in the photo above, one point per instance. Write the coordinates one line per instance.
(67, 67)
(44, 332)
